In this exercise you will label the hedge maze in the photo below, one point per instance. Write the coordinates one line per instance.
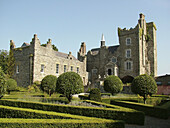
(31, 114)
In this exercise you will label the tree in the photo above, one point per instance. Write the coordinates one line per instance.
(11, 63)
(11, 85)
(95, 94)
(144, 85)
(2, 82)
(3, 60)
(48, 84)
(69, 83)
(113, 84)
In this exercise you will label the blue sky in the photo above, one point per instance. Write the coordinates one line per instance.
(70, 22)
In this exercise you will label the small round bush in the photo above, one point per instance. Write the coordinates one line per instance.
(48, 84)
(95, 94)
(113, 84)
(144, 85)
(11, 85)
(69, 83)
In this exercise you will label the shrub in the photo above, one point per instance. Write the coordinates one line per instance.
(95, 94)
(113, 84)
(69, 83)
(48, 84)
(144, 85)
(37, 83)
(11, 85)
(33, 88)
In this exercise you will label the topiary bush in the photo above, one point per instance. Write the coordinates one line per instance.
(48, 84)
(69, 83)
(11, 85)
(144, 85)
(95, 94)
(113, 84)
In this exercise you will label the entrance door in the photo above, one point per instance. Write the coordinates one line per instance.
(109, 72)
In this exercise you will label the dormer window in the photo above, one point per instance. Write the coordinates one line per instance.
(114, 59)
(128, 41)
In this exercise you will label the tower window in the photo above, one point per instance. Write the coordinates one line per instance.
(128, 53)
(57, 68)
(128, 65)
(42, 68)
(17, 69)
(65, 68)
(128, 41)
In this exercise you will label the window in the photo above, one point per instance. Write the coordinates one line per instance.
(128, 41)
(57, 68)
(17, 69)
(94, 71)
(159, 83)
(168, 82)
(77, 69)
(114, 60)
(42, 68)
(128, 53)
(128, 65)
(64, 68)
(71, 68)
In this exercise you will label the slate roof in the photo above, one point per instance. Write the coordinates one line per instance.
(64, 55)
(112, 49)
(25, 44)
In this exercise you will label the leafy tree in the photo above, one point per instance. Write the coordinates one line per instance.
(144, 85)
(48, 84)
(69, 83)
(95, 94)
(10, 85)
(113, 84)
(11, 63)
(2, 82)
(3, 60)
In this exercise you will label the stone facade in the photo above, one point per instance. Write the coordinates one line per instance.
(33, 62)
(136, 54)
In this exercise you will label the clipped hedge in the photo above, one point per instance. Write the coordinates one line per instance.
(118, 113)
(64, 123)
(155, 111)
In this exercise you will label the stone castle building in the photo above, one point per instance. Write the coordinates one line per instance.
(136, 54)
(33, 62)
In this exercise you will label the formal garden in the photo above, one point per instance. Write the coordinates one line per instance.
(51, 103)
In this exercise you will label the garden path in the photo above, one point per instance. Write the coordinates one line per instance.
(152, 122)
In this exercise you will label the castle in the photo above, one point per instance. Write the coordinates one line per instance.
(136, 54)
(33, 62)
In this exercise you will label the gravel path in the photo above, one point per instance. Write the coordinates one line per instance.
(151, 122)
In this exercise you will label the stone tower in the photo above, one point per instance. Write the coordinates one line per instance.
(139, 50)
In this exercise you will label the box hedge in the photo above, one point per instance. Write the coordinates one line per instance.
(118, 113)
(155, 111)
(64, 123)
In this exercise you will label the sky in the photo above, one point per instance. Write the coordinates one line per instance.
(70, 22)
